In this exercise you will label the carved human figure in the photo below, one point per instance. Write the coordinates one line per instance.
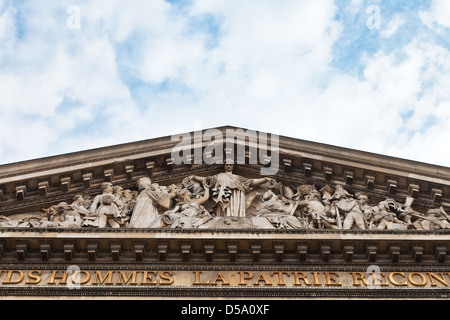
(279, 211)
(24, 220)
(129, 201)
(341, 200)
(386, 218)
(188, 213)
(436, 219)
(68, 217)
(368, 211)
(61, 215)
(313, 208)
(118, 192)
(123, 204)
(406, 213)
(105, 207)
(228, 191)
(353, 209)
(80, 205)
(327, 196)
(151, 197)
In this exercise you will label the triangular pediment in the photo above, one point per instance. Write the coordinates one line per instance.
(32, 184)
(220, 205)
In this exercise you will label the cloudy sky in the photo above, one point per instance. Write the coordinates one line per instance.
(367, 75)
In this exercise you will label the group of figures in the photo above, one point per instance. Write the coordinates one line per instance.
(227, 200)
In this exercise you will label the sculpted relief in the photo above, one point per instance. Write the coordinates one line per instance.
(227, 200)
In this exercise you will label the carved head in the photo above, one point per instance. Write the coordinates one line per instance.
(229, 166)
(172, 190)
(143, 183)
(128, 194)
(313, 195)
(63, 206)
(118, 190)
(107, 187)
(78, 198)
(341, 193)
(362, 197)
(184, 195)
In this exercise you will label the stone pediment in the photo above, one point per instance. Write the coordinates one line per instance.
(37, 186)
(285, 207)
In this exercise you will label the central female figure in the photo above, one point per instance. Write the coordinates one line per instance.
(228, 190)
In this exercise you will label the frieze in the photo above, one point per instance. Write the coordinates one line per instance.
(295, 178)
(230, 201)
(29, 202)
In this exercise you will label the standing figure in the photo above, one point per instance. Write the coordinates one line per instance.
(342, 200)
(151, 197)
(354, 211)
(228, 191)
(104, 207)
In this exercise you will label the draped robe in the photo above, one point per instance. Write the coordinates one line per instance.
(228, 191)
(146, 207)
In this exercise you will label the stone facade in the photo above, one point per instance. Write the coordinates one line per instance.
(132, 221)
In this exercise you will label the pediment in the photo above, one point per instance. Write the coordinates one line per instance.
(32, 187)
(322, 209)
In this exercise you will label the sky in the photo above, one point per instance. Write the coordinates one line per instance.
(367, 75)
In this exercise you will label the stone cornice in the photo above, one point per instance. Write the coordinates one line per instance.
(149, 148)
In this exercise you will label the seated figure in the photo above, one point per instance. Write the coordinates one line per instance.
(188, 213)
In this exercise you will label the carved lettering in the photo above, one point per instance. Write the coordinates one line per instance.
(394, 281)
(331, 278)
(10, 276)
(123, 279)
(440, 279)
(245, 275)
(168, 277)
(358, 276)
(32, 276)
(100, 279)
(301, 276)
(197, 279)
(262, 277)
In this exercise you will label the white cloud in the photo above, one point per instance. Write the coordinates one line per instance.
(396, 22)
(269, 70)
(439, 13)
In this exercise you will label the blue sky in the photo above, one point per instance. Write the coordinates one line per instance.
(370, 75)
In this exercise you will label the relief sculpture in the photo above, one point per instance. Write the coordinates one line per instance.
(227, 200)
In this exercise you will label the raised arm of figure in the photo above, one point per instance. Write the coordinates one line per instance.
(205, 197)
(258, 182)
(197, 179)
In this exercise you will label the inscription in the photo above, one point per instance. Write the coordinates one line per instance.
(266, 279)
